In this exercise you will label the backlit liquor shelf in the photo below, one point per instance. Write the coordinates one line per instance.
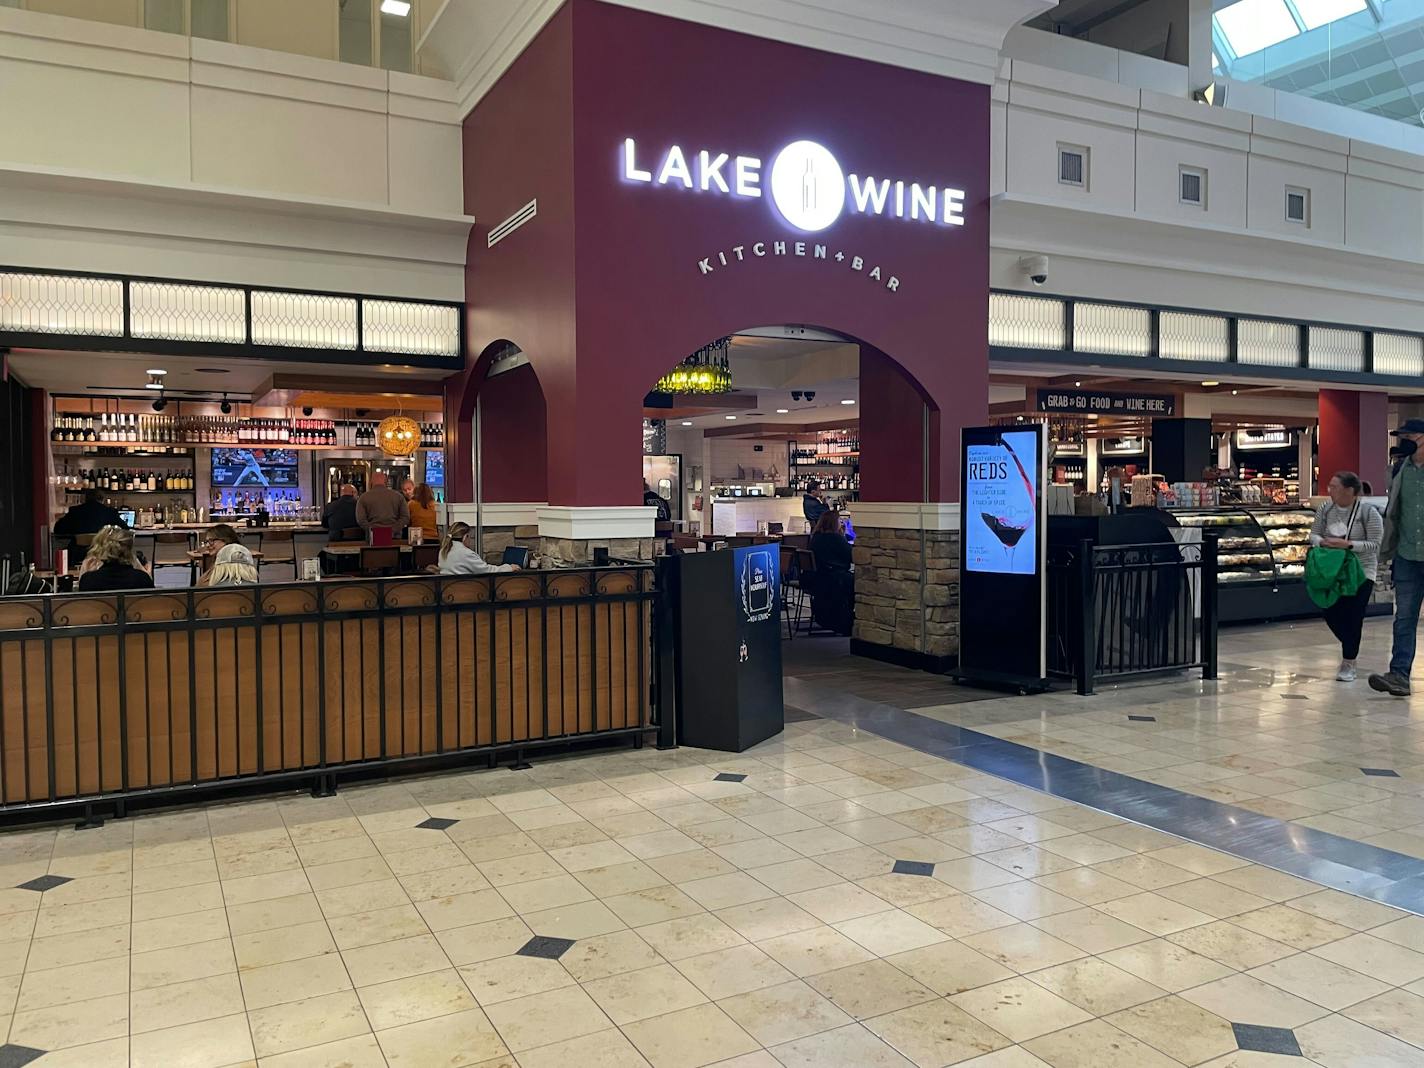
(143, 432)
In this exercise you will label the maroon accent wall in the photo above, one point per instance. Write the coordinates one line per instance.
(1354, 436)
(892, 432)
(512, 435)
(631, 303)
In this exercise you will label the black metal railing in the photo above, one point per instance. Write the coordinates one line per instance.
(1122, 610)
(110, 697)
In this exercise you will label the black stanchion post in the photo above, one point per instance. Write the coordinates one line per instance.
(664, 662)
(1209, 605)
(1087, 601)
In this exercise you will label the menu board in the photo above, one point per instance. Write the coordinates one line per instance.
(276, 468)
(435, 469)
(1003, 532)
(1002, 504)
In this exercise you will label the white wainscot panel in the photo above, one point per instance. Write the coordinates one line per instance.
(1159, 164)
(1266, 204)
(1033, 140)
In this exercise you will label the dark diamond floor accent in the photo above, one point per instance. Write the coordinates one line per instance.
(1143, 719)
(545, 946)
(436, 823)
(12, 1056)
(43, 883)
(1386, 773)
(1294, 697)
(913, 867)
(727, 776)
(1257, 1039)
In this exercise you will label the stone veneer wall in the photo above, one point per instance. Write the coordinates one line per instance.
(568, 550)
(907, 590)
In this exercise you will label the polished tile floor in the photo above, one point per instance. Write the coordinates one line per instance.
(828, 899)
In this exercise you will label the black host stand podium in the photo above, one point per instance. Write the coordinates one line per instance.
(728, 644)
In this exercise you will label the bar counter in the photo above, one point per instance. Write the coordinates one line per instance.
(110, 697)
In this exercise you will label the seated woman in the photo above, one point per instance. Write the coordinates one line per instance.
(234, 566)
(833, 589)
(110, 563)
(422, 511)
(457, 558)
(219, 536)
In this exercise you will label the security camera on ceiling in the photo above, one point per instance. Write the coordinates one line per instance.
(796, 394)
(810, 394)
(1036, 267)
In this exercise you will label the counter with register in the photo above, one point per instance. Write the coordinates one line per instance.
(1261, 556)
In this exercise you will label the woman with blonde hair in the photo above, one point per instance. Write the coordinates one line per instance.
(110, 563)
(457, 558)
(234, 566)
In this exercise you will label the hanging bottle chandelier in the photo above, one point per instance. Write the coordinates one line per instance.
(398, 435)
(705, 371)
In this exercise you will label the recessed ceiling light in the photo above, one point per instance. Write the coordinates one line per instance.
(153, 385)
(156, 371)
(729, 417)
(783, 411)
(1211, 383)
(847, 402)
(687, 422)
(399, 8)
(1077, 383)
(1234, 392)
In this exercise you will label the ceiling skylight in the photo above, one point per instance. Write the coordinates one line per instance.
(1251, 25)
(1319, 12)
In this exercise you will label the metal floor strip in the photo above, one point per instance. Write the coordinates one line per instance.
(1354, 867)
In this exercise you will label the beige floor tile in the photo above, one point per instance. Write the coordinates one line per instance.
(1348, 910)
(1096, 1045)
(170, 931)
(949, 967)
(539, 894)
(870, 989)
(1397, 1013)
(905, 890)
(184, 1003)
(858, 863)
(1408, 932)
(684, 867)
(72, 1023)
(1027, 861)
(1091, 931)
(1096, 986)
(607, 955)
(1394, 964)
(348, 873)
(1337, 1042)
(394, 960)
(839, 901)
(438, 857)
(360, 1052)
(458, 1040)
(654, 905)
(690, 1038)
(261, 948)
(363, 897)
(936, 1033)
(1020, 1009)
(1232, 945)
(690, 936)
(851, 1046)
(383, 925)
(602, 1049)
(60, 950)
(1013, 1057)
(819, 949)
(315, 1021)
(515, 976)
(761, 920)
(637, 995)
(209, 1044)
(1086, 885)
(552, 1016)
(584, 920)
(1291, 926)
(1023, 947)
(1319, 981)
(1197, 859)
(727, 972)
(67, 919)
(480, 849)
(177, 901)
(112, 1053)
(520, 868)
(42, 989)
(1166, 964)
(621, 878)
(281, 857)
(1173, 1025)
(658, 844)
(275, 912)
(724, 891)
(1246, 999)
(961, 915)
(264, 887)
(887, 933)
(1154, 913)
(278, 984)
(1214, 897)
(1267, 883)
(461, 910)
(1144, 871)
(484, 941)
(415, 998)
(183, 963)
(783, 1013)
(969, 874)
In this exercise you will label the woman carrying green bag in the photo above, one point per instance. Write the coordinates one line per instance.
(1341, 568)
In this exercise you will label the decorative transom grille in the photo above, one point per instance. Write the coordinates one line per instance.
(1267, 343)
(187, 313)
(61, 304)
(1186, 336)
(410, 328)
(1399, 354)
(1026, 322)
(303, 320)
(1112, 329)
(1334, 349)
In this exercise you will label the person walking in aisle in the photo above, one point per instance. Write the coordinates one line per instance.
(1403, 542)
(1346, 522)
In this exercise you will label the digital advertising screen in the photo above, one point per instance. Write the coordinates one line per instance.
(435, 469)
(275, 468)
(1001, 504)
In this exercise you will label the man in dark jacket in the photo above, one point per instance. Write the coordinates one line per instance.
(89, 516)
(339, 515)
(813, 503)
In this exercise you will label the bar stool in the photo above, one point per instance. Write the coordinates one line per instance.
(170, 549)
(276, 547)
